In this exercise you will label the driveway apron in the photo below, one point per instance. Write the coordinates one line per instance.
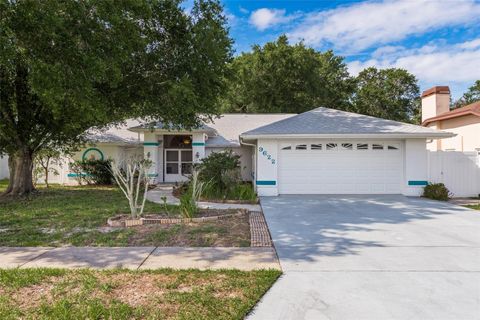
(372, 257)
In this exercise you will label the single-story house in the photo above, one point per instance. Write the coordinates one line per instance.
(464, 121)
(322, 151)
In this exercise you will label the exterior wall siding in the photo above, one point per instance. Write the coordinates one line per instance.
(267, 167)
(467, 129)
(416, 167)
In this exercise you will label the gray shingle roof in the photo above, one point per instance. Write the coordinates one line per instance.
(165, 126)
(324, 121)
(229, 127)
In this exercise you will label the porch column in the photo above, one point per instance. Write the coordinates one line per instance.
(150, 152)
(198, 147)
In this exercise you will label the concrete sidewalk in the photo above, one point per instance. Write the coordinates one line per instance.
(249, 258)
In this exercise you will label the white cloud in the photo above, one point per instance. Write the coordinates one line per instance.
(363, 25)
(470, 44)
(265, 18)
(243, 10)
(435, 65)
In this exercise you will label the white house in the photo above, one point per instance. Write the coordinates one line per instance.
(322, 151)
(327, 151)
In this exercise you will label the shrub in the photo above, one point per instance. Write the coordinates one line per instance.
(221, 170)
(436, 191)
(188, 200)
(93, 171)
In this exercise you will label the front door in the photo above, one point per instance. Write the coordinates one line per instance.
(178, 164)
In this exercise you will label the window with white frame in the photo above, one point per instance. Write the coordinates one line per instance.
(289, 147)
(331, 146)
(301, 147)
(393, 147)
(347, 146)
(377, 146)
(362, 146)
(316, 146)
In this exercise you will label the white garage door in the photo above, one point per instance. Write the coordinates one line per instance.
(340, 167)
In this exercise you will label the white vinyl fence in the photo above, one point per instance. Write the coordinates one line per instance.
(459, 171)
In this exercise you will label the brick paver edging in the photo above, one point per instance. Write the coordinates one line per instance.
(259, 234)
(113, 222)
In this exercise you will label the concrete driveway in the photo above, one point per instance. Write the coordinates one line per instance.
(372, 257)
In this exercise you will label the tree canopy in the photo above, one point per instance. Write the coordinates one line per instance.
(66, 66)
(387, 93)
(472, 95)
(280, 77)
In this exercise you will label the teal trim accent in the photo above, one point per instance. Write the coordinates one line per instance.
(266, 182)
(84, 156)
(152, 144)
(198, 144)
(75, 175)
(152, 175)
(417, 183)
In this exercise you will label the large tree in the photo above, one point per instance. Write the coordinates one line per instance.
(387, 93)
(280, 77)
(472, 95)
(66, 66)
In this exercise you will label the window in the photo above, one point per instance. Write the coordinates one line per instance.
(347, 146)
(392, 147)
(301, 147)
(316, 146)
(287, 148)
(377, 146)
(362, 146)
(331, 146)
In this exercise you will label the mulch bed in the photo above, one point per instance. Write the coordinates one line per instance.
(125, 220)
(231, 232)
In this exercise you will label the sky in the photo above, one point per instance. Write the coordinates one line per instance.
(436, 40)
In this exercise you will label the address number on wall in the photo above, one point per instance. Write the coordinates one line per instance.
(266, 154)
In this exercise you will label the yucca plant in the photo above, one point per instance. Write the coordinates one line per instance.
(188, 201)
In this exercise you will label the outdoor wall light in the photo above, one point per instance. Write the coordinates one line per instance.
(149, 155)
(197, 155)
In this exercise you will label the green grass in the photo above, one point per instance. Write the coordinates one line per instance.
(65, 216)
(476, 207)
(122, 294)
(75, 216)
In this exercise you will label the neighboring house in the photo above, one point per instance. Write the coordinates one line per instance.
(464, 122)
(4, 173)
(322, 151)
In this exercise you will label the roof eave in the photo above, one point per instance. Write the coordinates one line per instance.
(449, 116)
(157, 130)
(433, 135)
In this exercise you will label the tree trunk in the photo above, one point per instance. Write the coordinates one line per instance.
(21, 176)
(47, 164)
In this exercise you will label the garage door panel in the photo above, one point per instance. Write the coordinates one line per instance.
(341, 171)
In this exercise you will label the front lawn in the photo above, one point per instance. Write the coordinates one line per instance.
(122, 294)
(475, 207)
(77, 216)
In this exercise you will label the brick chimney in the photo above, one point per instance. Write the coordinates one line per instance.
(435, 101)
